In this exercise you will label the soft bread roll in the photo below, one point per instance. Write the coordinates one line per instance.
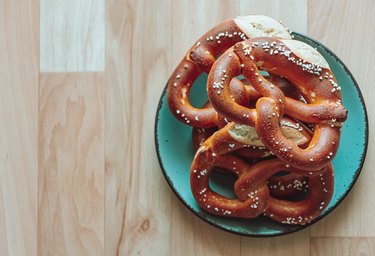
(261, 26)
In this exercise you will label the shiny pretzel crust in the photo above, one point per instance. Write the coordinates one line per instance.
(202, 55)
(253, 195)
(316, 84)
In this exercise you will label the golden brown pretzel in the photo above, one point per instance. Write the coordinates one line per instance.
(244, 144)
(244, 94)
(201, 57)
(252, 191)
(202, 166)
(235, 136)
(320, 192)
(309, 73)
(280, 186)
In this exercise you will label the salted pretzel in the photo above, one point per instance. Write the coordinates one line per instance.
(244, 141)
(252, 191)
(280, 186)
(243, 93)
(308, 71)
(320, 192)
(202, 56)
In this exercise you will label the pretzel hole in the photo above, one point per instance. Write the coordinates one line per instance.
(198, 94)
(280, 174)
(223, 183)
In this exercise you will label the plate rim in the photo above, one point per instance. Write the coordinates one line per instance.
(300, 228)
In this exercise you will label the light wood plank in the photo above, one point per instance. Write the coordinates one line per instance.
(290, 245)
(190, 234)
(71, 164)
(343, 246)
(293, 13)
(193, 236)
(138, 200)
(72, 35)
(346, 27)
(19, 68)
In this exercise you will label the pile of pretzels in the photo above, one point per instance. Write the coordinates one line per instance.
(273, 119)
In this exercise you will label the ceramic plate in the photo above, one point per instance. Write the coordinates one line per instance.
(175, 153)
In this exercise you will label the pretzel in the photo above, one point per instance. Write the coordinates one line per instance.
(245, 143)
(308, 71)
(252, 191)
(201, 57)
(320, 192)
(243, 93)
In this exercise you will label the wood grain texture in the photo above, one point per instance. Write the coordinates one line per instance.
(293, 13)
(290, 245)
(347, 29)
(353, 246)
(78, 168)
(71, 35)
(138, 200)
(71, 164)
(19, 68)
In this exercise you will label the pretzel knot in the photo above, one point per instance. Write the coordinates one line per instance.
(252, 191)
(226, 140)
(308, 71)
(202, 55)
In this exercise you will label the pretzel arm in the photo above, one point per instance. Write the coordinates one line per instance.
(315, 112)
(227, 68)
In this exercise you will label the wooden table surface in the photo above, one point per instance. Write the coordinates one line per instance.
(80, 81)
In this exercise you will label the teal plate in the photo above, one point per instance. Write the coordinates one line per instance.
(175, 153)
